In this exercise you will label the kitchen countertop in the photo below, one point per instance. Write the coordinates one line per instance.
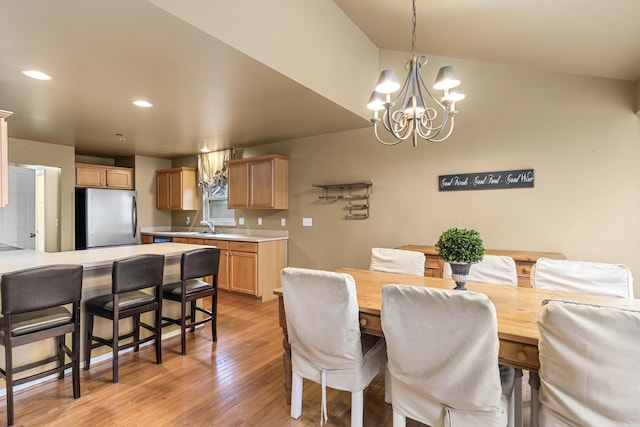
(89, 258)
(237, 236)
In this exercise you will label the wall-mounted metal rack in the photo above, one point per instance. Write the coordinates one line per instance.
(349, 191)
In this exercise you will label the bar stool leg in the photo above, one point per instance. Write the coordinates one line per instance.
(88, 341)
(9, 381)
(115, 345)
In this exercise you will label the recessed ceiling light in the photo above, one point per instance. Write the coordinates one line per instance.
(34, 74)
(142, 103)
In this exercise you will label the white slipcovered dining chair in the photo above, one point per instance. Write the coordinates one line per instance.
(442, 347)
(589, 365)
(495, 269)
(500, 270)
(324, 333)
(577, 276)
(397, 261)
(581, 276)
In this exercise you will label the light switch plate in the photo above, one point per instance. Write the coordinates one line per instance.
(241, 221)
(307, 222)
(283, 222)
(259, 221)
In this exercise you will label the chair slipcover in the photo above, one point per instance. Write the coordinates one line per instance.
(580, 276)
(397, 261)
(442, 347)
(324, 333)
(589, 365)
(496, 269)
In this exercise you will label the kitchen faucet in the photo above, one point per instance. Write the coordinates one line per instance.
(209, 224)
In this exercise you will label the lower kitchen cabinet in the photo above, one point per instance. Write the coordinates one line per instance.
(248, 268)
(244, 269)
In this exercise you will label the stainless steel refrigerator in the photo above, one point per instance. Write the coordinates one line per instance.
(105, 217)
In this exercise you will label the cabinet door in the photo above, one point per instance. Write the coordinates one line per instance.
(175, 190)
(244, 266)
(261, 186)
(162, 191)
(238, 185)
(120, 178)
(223, 270)
(90, 177)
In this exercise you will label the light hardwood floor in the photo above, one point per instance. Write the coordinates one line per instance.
(234, 382)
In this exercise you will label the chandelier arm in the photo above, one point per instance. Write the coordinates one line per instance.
(426, 88)
(447, 135)
(375, 130)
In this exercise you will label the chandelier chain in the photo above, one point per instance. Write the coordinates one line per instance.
(413, 36)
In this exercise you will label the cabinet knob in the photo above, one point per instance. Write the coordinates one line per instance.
(521, 356)
(363, 321)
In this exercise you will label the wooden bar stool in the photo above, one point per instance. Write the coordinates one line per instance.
(128, 278)
(194, 265)
(35, 306)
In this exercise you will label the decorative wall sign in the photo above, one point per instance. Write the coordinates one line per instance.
(522, 178)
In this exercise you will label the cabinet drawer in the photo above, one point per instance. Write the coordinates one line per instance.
(243, 246)
(524, 269)
(433, 272)
(432, 261)
(223, 245)
(370, 324)
(524, 282)
(520, 355)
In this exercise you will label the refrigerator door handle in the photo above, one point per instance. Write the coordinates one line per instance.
(134, 215)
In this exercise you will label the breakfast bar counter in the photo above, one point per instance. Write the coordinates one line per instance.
(96, 280)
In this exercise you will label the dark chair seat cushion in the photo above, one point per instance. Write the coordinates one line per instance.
(193, 285)
(34, 321)
(126, 300)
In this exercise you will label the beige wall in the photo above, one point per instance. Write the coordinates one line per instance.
(579, 134)
(145, 183)
(61, 156)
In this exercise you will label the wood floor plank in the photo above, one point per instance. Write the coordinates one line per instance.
(237, 381)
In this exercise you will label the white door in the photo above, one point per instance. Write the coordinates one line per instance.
(18, 219)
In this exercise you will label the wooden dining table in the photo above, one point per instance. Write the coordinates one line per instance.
(516, 309)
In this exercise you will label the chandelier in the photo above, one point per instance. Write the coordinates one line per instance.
(414, 117)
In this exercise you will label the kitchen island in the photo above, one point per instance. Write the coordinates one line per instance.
(96, 280)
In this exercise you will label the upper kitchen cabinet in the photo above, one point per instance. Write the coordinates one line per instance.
(100, 176)
(176, 189)
(259, 182)
(4, 159)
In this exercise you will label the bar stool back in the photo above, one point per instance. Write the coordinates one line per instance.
(129, 276)
(35, 307)
(194, 265)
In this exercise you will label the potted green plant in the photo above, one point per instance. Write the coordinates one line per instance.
(460, 247)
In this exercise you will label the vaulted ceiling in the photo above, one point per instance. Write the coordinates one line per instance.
(104, 54)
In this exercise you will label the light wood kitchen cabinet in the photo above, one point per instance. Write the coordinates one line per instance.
(100, 176)
(434, 266)
(243, 267)
(176, 189)
(4, 158)
(146, 238)
(259, 182)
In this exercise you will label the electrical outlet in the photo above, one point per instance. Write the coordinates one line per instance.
(307, 222)
(259, 221)
(283, 222)
(188, 220)
(241, 221)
